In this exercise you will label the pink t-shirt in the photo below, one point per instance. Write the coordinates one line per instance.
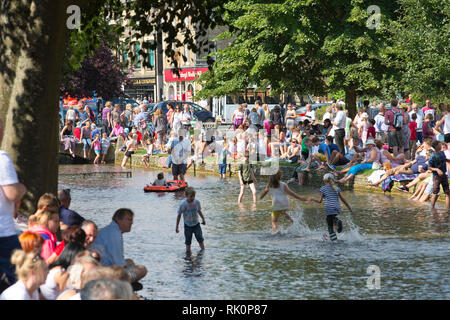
(117, 131)
(49, 245)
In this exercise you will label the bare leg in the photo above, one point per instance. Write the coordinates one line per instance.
(418, 193)
(253, 189)
(124, 162)
(241, 193)
(274, 224)
(345, 179)
(433, 200)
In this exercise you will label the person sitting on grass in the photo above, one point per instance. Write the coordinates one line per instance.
(419, 165)
(293, 152)
(372, 155)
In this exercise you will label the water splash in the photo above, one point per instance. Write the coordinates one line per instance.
(353, 234)
(299, 226)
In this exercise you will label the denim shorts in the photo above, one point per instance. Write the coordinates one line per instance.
(189, 231)
(223, 168)
(86, 143)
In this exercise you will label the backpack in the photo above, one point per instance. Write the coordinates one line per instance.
(398, 120)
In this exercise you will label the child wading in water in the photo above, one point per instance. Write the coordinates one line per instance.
(190, 208)
(97, 148)
(331, 195)
(280, 202)
(246, 177)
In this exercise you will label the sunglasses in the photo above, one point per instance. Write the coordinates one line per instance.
(37, 258)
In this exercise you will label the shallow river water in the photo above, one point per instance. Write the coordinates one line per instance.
(408, 244)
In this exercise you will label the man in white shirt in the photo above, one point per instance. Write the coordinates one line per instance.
(380, 127)
(339, 127)
(419, 120)
(11, 193)
(186, 117)
(180, 149)
(311, 114)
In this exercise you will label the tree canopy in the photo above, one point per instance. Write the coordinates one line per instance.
(421, 38)
(321, 46)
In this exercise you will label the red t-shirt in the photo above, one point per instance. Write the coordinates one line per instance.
(77, 133)
(371, 132)
(413, 130)
(59, 248)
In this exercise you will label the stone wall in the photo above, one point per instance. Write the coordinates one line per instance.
(110, 156)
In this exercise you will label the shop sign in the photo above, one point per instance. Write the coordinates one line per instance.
(188, 74)
(141, 81)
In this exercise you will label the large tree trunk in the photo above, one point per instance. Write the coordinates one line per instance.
(350, 102)
(33, 37)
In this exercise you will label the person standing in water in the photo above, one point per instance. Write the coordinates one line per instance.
(280, 202)
(246, 177)
(331, 195)
(191, 209)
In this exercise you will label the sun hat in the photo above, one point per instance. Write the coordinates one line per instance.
(370, 141)
(364, 115)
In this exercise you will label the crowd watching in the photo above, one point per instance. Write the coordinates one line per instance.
(56, 254)
(395, 139)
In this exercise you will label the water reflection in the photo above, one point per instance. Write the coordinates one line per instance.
(193, 264)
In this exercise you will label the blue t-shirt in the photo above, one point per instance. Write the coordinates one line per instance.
(190, 212)
(84, 116)
(332, 147)
(438, 160)
(324, 148)
(223, 156)
(94, 132)
(331, 199)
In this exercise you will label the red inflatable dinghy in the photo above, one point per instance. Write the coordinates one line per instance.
(171, 186)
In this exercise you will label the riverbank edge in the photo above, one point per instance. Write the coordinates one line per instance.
(314, 178)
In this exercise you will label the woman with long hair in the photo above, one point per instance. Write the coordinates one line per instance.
(280, 202)
(67, 138)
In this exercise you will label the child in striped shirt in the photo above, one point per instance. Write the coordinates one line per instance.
(331, 195)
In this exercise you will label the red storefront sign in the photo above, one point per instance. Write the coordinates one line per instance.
(187, 74)
(188, 95)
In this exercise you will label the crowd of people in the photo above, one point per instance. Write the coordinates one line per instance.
(56, 254)
(397, 140)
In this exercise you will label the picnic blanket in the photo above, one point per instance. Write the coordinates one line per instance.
(389, 182)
